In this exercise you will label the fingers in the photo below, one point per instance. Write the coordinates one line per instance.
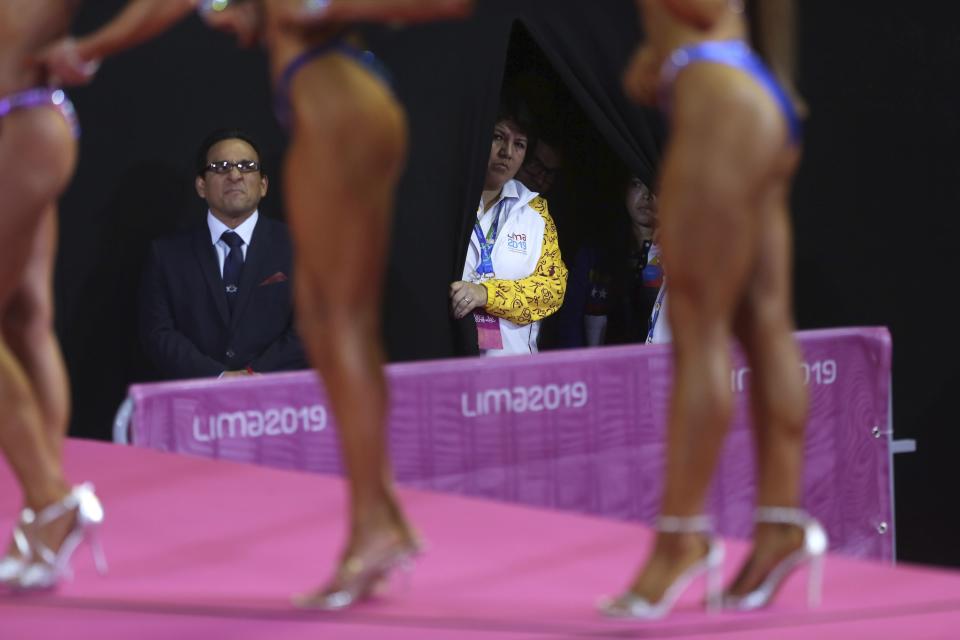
(242, 20)
(65, 66)
(463, 298)
(457, 286)
(465, 307)
(461, 306)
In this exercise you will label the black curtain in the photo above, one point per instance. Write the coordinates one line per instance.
(875, 208)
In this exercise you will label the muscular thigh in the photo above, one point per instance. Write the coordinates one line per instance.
(343, 163)
(37, 154)
(28, 300)
(768, 294)
(37, 158)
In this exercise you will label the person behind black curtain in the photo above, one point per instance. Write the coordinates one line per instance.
(616, 274)
(513, 275)
(585, 51)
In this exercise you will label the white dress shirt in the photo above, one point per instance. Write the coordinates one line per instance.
(245, 231)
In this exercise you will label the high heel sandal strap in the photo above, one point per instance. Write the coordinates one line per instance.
(58, 509)
(684, 524)
(21, 543)
(80, 497)
(782, 515)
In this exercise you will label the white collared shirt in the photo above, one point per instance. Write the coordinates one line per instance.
(245, 231)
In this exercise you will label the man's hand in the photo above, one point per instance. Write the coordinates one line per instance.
(239, 373)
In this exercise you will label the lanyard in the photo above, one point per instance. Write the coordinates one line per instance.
(485, 268)
(655, 316)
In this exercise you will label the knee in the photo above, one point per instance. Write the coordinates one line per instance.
(330, 321)
(701, 345)
(696, 315)
(27, 317)
(335, 342)
(718, 395)
(762, 321)
(778, 389)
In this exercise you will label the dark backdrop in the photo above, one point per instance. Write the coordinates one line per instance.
(875, 199)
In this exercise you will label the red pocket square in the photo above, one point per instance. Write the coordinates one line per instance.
(279, 276)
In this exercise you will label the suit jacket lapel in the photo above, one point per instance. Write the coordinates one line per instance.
(210, 268)
(252, 266)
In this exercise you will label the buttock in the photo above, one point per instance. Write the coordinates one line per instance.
(334, 46)
(736, 54)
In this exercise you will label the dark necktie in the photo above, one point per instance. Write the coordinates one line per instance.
(232, 266)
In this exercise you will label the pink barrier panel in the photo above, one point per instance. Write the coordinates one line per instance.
(578, 430)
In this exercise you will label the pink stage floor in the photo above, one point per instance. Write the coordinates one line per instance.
(203, 549)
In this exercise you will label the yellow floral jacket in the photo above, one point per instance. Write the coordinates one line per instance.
(541, 293)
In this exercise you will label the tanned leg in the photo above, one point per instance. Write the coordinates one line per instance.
(718, 157)
(37, 155)
(28, 328)
(346, 153)
(764, 326)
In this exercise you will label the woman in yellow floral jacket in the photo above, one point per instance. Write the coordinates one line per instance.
(513, 276)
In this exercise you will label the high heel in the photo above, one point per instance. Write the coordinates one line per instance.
(814, 549)
(47, 567)
(360, 576)
(12, 566)
(630, 605)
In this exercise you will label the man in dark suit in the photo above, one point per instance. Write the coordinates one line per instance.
(216, 300)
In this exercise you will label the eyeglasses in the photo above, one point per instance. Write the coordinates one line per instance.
(536, 167)
(225, 166)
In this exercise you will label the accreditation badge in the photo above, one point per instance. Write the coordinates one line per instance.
(488, 331)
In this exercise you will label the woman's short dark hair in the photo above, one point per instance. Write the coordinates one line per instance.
(516, 110)
(219, 136)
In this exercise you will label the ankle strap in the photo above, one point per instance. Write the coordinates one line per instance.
(53, 511)
(20, 541)
(688, 524)
(782, 515)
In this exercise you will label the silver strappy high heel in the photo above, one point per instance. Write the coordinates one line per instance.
(361, 576)
(630, 605)
(813, 551)
(46, 567)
